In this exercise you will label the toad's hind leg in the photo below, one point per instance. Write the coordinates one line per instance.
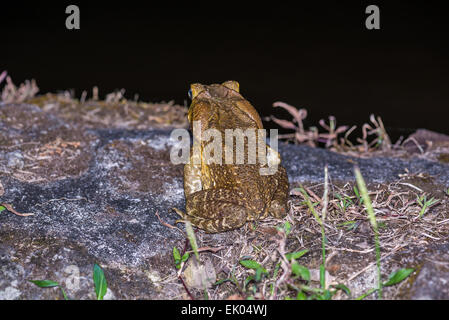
(216, 210)
(278, 205)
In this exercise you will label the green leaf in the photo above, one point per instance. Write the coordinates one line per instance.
(222, 281)
(100, 283)
(248, 280)
(64, 294)
(348, 224)
(49, 284)
(176, 254)
(45, 283)
(299, 270)
(356, 192)
(2, 208)
(397, 276)
(327, 295)
(363, 296)
(344, 288)
(250, 264)
(287, 228)
(258, 274)
(276, 270)
(185, 257)
(296, 255)
(322, 276)
(301, 296)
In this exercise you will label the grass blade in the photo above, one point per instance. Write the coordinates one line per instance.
(192, 239)
(45, 283)
(372, 218)
(100, 283)
(398, 276)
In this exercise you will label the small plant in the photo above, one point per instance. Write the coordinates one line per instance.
(2, 208)
(349, 225)
(260, 271)
(335, 137)
(100, 283)
(382, 140)
(321, 222)
(297, 269)
(178, 259)
(323, 237)
(3, 76)
(232, 279)
(11, 93)
(357, 194)
(286, 228)
(344, 203)
(373, 221)
(425, 204)
(49, 284)
(311, 136)
(394, 277)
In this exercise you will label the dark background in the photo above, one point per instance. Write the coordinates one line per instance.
(318, 56)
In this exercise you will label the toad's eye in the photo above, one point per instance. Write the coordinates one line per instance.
(190, 94)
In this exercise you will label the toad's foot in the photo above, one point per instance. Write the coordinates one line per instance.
(218, 210)
(180, 213)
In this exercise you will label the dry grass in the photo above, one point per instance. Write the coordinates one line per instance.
(115, 111)
(11, 93)
(333, 137)
(348, 232)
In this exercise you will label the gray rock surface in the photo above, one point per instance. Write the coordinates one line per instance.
(306, 164)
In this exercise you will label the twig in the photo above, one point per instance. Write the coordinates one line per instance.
(168, 225)
(11, 209)
(185, 288)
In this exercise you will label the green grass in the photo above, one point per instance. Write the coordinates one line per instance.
(345, 202)
(372, 218)
(396, 276)
(425, 203)
(101, 286)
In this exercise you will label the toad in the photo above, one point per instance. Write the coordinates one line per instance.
(224, 195)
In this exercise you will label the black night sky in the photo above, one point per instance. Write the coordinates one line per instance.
(320, 57)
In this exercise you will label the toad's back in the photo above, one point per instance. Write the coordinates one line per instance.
(221, 197)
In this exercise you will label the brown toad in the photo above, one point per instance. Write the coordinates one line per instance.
(221, 197)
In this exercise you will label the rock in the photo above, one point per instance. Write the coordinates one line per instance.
(199, 275)
(306, 164)
(423, 140)
(14, 160)
(95, 193)
(432, 277)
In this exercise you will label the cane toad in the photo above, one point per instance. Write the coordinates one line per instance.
(221, 197)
